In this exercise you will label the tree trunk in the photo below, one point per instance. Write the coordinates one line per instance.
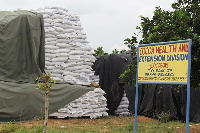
(46, 112)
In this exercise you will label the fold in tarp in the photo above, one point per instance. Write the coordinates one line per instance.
(22, 55)
(22, 102)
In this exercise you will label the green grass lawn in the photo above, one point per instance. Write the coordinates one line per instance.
(111, 124)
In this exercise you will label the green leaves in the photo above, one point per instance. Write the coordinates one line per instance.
(127, 76)
(99, 52)
(45, 82)
(181, 23)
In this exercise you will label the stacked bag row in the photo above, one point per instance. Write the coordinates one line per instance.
(92, 104)
(68, 55)
(122, 109)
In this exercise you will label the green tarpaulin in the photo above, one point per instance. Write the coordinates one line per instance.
(22, 60)
(21, 46)
(20, 102)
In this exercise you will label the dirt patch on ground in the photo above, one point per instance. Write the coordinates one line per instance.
(117, 120)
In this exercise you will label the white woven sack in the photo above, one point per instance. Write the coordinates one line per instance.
(73, 18)
(51, 43)
(124, 106)
(64, 40)
(70, 69)
(68, 78)
(77, 27)
(124, 102)
(57, 21)
(62, 55)
(63, 45)
(47, 35)
(50, 67)
(86, 67)
(124, 99)
(50, 63)
(47, 24)
(68, 31)
(49, 29)
(70, 73)
(86, 63)
(61, 36)
(48, 20)
(62, 50)
(74, 57)
(98, 90)
(47, 58)
(59, 29)
(66, 21)
(58, 79)
(83, 71)
(77, 52)
(59, 59)
(58, 71)
(77, 45)
(49, 51)
(45, 16)
(50, 39)
(56, 75)
(63, 12)
(52, 32)
(51, 47)
(57, 16)
(50, 55)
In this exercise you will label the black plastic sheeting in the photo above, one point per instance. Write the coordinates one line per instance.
(152, 99)
(109, 69)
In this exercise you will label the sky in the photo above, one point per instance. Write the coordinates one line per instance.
(106, 22)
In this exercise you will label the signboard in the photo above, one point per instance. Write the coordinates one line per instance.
(163, 63)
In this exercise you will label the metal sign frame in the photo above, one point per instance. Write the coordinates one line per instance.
(171, 83)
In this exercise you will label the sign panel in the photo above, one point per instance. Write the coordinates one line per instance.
(163, 63)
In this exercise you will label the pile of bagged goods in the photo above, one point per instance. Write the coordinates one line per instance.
(92, 104)
(122, 109)
(68, 57)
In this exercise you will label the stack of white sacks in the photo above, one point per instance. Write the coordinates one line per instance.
(68, 56)
(122, 109)
(92, 104)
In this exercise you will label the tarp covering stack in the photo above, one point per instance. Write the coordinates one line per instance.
(21, 46)
(22, 60)
(21, 102)
(109, 69)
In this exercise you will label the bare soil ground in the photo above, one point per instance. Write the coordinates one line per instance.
(117, 120)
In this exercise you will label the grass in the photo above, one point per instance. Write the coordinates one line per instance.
(110, 124)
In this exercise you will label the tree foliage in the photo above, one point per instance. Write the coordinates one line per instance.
(99, 52)
(127, 76)
(115, 51)
(121, 51)
(181, 23)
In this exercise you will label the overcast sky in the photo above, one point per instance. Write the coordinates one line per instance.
(106, 22)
